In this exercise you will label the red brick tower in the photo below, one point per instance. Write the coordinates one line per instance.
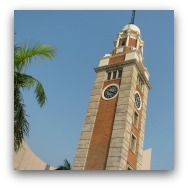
(112, 137)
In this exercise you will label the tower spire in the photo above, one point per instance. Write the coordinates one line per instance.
(133, 17)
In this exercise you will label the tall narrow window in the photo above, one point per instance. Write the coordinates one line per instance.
(133, 143)
(114, 74)
(135, 119)
(119, 73)
(109, 76)
(139, 82)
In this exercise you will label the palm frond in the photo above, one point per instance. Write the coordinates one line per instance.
(26, 82)
(21, 126)
(26, 52)
(23, 56)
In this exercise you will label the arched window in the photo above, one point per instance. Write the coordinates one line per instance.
(123, 43)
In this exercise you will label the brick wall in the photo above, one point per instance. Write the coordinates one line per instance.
(100, 140)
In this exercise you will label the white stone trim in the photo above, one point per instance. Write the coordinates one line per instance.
(106, 88)
(117, 43)
(127, 41)
(137, 43)
(104, 61)
(139, 66)
(131, 56)
(132, 36)
(119, 50)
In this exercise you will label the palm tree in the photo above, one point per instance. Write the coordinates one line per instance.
(23, 56)
(66, 166)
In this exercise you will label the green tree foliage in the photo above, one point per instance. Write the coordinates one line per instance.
(66, 166)
(24, 55)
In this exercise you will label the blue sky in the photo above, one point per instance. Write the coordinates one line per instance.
(81, 38)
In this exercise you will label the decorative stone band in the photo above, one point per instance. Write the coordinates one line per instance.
(120, 65)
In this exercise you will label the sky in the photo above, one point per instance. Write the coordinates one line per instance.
(81, 39)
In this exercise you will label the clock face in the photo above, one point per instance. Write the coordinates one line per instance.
(110, 92)
(137, 101)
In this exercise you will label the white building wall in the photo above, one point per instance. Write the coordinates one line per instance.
(25, 159)
(146, 160)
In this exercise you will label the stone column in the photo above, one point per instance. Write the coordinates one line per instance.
(127, 41)
(117, 44)
(119, 146)
(83, 146)
(137, 42)
(142, 127)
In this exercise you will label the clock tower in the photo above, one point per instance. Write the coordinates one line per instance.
(112, 136)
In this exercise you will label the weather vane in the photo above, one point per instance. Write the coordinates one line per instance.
(133, 17)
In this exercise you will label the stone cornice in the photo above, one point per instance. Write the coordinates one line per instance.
(116, 55)
(120, 65)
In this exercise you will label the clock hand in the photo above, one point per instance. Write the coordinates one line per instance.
(111, 92)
